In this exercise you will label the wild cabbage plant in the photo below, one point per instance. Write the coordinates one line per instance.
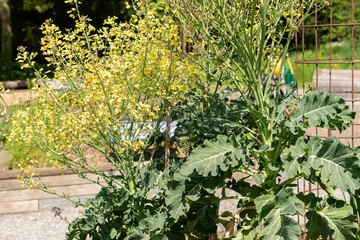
(110, 86)
(246, 39)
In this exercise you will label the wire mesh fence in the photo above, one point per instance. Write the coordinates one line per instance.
(332, 72)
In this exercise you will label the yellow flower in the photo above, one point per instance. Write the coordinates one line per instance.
(109, 85)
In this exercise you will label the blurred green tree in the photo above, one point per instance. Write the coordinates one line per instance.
(6, 30)
(28, 15)
(341, 13)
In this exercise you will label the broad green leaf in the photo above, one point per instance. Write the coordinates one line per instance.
(75, 232)
(321, 109)
(114, 234)
(210, 184)
(257, 178)
(277, 226)
(285, 200)
(213, 156)
(159, 237)
(263, 148)
(334, 163)
(289, 229)
(264, 201)
(272, 211)
(288, 203)
(137, 235)
(177, 197)
(155, 222)
(147, 178)
(182, 190)
(355, 201)
(293, 160)
(221, 117)
(336, 220)
(244, 235)
(206, 212)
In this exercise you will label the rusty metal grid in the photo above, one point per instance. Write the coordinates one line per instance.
(352, 137)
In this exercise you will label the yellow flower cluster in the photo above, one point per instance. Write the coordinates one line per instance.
(109, 85)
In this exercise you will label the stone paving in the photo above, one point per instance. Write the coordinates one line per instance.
(14, 199)
(41, 225)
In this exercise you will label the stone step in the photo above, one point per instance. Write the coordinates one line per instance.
(24, 195)
(51, 181)
(50, 171)
(19, 206)
(14, 199)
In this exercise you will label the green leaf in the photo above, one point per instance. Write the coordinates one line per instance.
(181, 195)
(334, 163)
(210, 184)
(114, 234)
(264, 201)
(263, 148)
(321, 109)
(147, 178)
(277, 226)
(272, 211)
(257, 178)
(285, 200)
(159, 237)
(355, 201)
(213, 156)
(137, 235)
(293, 161)
(207, 159)
(206, 211)
(336, 220)
(176, 197)
(182, 190)
(289, 229)
(288, 203)
(244, 235)
(156, 222)
(75, 232)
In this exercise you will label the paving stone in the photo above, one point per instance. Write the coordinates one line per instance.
(23, 195)
(41, 225)
(49, 204)
(51, 181)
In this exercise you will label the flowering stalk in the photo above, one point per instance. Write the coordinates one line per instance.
(245, 40)
(110, 86)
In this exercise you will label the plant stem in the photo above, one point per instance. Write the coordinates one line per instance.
(167, 132)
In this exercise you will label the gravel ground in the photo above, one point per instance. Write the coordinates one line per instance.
(43, 225)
